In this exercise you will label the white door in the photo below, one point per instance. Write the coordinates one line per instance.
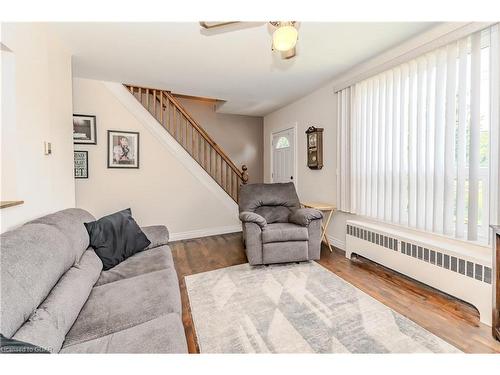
(283, 152)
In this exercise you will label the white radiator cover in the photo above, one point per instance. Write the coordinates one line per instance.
(457, 268)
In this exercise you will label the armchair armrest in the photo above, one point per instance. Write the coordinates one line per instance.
(157, 234)
(304, 216)
(252, 217)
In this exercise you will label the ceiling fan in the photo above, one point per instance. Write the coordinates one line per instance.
(284, 38)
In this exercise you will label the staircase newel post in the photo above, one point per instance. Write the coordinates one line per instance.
(244, 174)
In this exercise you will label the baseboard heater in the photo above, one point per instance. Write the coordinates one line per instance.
(460, 269)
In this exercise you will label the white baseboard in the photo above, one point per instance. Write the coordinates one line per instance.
(336, 242)
(204, 232)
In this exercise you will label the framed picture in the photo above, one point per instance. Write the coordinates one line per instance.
(84, 130)
(123, 149)
(81, 164)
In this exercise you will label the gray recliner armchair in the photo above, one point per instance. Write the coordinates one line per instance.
(275, 228)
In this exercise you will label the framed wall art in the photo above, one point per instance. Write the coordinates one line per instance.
(123, 149)
(81, 164)
(84, 130)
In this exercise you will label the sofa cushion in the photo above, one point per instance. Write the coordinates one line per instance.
(304, 216)
(274, 214)
(48, 325)
(157, 234)
(282, 232)
(273, 202)
(252, 217)
(116, 237)
(282, 252)
(33, 258)
(141, 263)
(253, 196)
(164, 334)
(70, 223)
(11, 346)
(126, 303)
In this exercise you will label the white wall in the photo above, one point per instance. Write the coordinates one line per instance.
(239, 136)
(8, 174)
(318, 109)
(43, 113)
(161, 191)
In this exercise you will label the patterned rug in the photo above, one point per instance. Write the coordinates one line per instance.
(297, 308)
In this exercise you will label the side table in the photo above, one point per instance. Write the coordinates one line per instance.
(329, 209)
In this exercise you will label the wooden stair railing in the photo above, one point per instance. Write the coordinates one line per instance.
(174, 118)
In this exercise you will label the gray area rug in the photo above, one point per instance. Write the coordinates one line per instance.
(297, 308)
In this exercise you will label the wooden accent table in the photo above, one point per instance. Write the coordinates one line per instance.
(329, 209)
(495, 326)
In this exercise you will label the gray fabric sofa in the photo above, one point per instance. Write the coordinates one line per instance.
(275, 228)
(55, 295)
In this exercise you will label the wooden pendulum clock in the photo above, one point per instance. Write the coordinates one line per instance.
(314, 147)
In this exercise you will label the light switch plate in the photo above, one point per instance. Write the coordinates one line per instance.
(47, 148)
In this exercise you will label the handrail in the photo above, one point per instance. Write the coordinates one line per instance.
(221, 168)
(205, 135)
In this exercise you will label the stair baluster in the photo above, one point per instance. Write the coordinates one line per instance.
(172, 116)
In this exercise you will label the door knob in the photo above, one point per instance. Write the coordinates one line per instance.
(291, 177)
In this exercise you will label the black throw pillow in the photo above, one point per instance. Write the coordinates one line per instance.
(11, 346)
(116, 237)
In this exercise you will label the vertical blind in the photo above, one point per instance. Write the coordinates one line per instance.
(418, 144)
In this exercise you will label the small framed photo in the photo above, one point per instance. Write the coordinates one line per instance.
(123, 149)
(81, 164)
(84, 130)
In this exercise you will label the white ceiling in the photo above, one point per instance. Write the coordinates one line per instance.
(236, 66)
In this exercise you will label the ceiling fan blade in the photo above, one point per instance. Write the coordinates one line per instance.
(214, 24)
(221, 27)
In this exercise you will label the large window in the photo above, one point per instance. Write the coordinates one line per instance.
(415, 141)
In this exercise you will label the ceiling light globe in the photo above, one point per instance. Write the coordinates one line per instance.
(285, 38)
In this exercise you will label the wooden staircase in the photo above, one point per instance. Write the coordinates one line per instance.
(174, 118)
